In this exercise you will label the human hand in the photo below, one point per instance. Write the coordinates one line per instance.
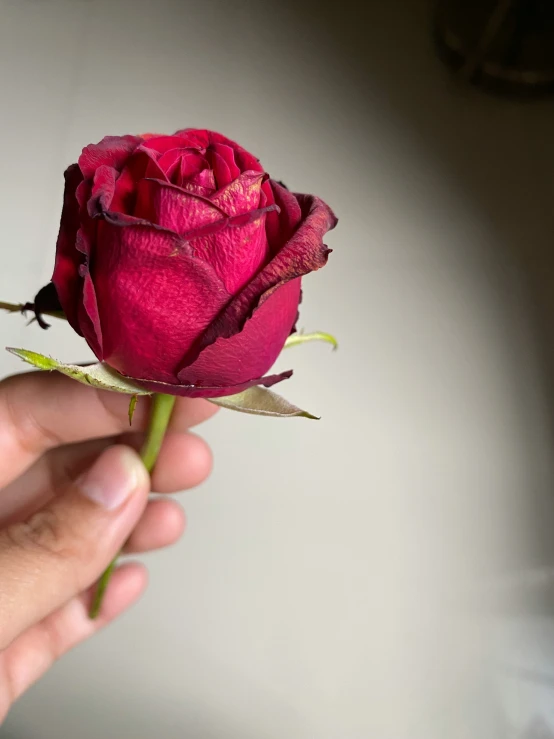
(73, 492)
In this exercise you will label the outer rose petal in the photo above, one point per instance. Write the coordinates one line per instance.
(154, 300)
(250, 353)
(237, 253)
(240, 196)
(112, 150)
(305, 252)
(103, 190)
(86, 235)
(290, 213)
(182, 242)
(193, 391)
(89, 317)
(66, 270)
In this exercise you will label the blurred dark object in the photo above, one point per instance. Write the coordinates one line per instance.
(505, 46)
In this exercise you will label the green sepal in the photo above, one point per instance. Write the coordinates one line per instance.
(261, 402)
(299, 338)
(98, 375)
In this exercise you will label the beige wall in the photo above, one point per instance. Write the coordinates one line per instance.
(319, 591)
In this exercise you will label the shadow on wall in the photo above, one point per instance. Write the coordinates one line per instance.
(501, 151)
(113, 719)
(498, 154)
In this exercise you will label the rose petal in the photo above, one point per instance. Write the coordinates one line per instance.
(303, 253)
(180, 164)
(222, 160)
(124, 197)
(197, 137)
(169, 162)
(112, 150)
(253, 351)
(103, 189)
(89, 318)
(202, 183)
(221, 171)
(144, 163)
(241, 195)
(172, 207)
(243, 158)
(141, 163)
(237, 253)
(124, 221)
(290, 214)
(86, 234)
(215, 391)
(243, 219)
(195, 167)
(272, 222)
(66, 269)
(83, 192)
(161, 144)
(182, 241)
(154, 300)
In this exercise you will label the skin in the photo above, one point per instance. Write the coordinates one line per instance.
(67, 453)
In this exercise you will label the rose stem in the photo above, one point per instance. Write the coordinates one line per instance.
(162, 407)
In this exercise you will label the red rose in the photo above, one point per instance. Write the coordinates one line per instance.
(179, 260)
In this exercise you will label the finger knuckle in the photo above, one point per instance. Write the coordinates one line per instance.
(43, 533)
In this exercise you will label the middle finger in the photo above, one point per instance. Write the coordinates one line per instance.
(184, 461)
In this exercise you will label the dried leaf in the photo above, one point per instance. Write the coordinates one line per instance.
(261, 402)
(98, 375)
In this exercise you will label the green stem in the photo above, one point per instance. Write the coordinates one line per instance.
(162, 407)
(18, 308)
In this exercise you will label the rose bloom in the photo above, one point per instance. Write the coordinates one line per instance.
(180, 260)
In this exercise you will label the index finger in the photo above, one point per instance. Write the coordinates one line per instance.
(41, 410)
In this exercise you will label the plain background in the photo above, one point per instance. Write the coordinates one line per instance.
(325, 586)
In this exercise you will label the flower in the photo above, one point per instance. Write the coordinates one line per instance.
(180, 261)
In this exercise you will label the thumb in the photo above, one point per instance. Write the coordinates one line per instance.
(63, 549)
